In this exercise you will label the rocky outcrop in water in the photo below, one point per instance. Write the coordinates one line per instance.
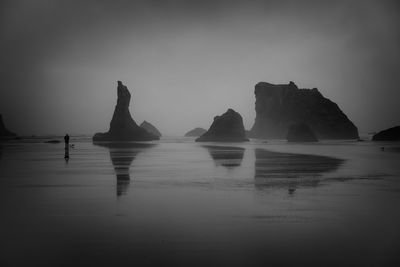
(4, 132)
(225, 128)
(279, 106)
(391, 134)
(195, 132)
(301, 133)
(150, 128)
(122, 126)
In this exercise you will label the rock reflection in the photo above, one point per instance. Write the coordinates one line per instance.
(226, 156)
(286, 170)
(122, 156)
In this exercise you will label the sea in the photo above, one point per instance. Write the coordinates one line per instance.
(175, 202)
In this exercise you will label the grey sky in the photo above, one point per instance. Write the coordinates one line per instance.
(187, 61)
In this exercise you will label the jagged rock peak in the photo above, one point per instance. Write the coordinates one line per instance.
(124, 96)
(122, 125)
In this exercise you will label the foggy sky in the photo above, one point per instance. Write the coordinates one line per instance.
(187, 61)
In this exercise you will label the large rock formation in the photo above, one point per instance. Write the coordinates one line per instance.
(150, 128)
(4, 133)
(300, 132)
(391, 134)
(279, 106)
(122, 126)
(225, 128)
(195, 132)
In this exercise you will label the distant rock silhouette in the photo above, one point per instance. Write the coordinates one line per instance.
(391, 134)
(300, 132)
(4, 133)
(225, 128)
(122, 126)
(150, 128)
(279, 106)
(195, 132)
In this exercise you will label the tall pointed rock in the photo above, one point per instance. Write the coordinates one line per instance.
(122, 126)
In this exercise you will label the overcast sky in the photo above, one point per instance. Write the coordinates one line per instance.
(187, 61)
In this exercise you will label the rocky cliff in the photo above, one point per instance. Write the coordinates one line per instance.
(279, 106)
(122, 126)
(150, 128)
(225, 128)
(4, 133)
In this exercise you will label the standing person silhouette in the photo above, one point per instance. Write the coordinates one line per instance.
(66, 140)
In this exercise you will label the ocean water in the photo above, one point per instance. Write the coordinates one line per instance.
(179, 203)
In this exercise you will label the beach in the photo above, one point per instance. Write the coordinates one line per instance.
(179, 203)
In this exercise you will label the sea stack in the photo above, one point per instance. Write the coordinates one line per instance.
(150, 128)
(4, 132)
(282, 105)
(122, 126)
(300, 133)
(225, 128)
(195, 132)
(391, 134)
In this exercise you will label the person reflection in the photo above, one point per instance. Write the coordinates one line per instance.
(291, 171)
(226, 156)
(122, 156)
(66, 154)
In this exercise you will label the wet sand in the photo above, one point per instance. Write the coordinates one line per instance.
(180, 203)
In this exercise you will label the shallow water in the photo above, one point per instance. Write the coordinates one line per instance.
(180, 203)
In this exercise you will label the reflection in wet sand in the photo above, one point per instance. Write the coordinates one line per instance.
(66, 154)
(273, 169)
(122, 155)
(226, 156)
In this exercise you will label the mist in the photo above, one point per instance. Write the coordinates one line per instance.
(187, 61)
